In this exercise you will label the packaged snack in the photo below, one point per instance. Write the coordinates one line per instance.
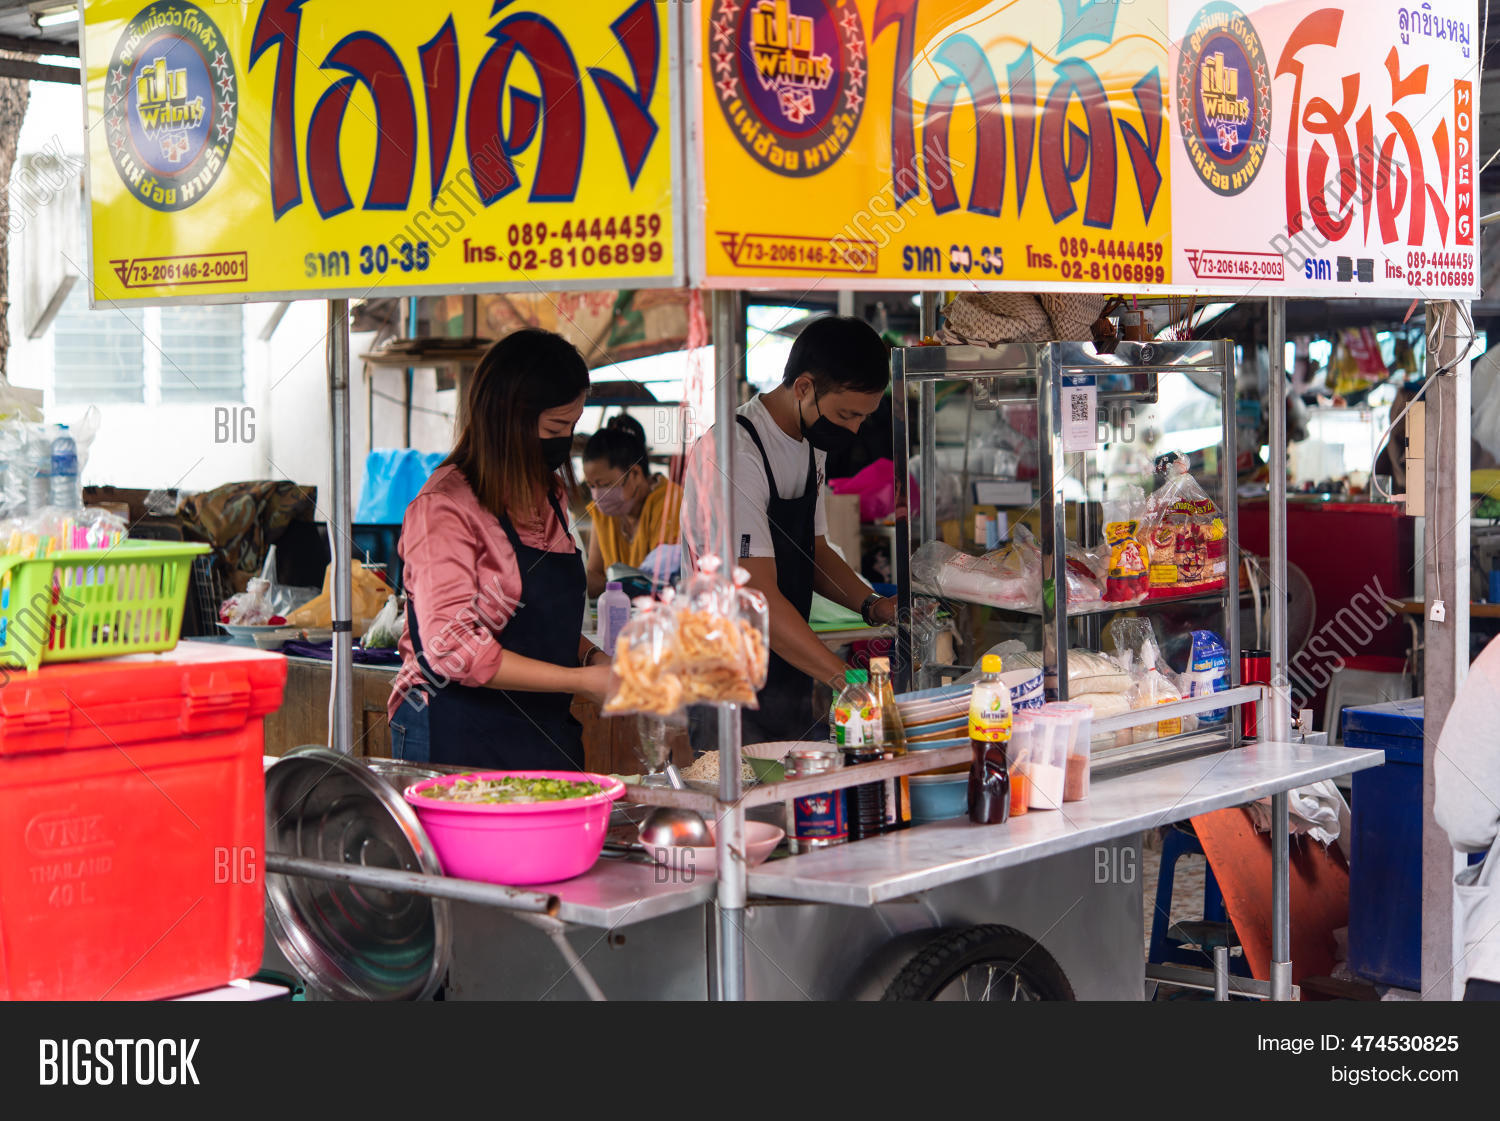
(720, 654)
(1208, 672)
(754, 615)
(643, 675)
(1153, 682)
(1127, 579)
(1184, 534)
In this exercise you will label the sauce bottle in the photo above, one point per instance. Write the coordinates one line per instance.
(989, 733)
(855, 728)
(893, 741)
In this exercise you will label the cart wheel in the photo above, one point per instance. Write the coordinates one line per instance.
(981, 963)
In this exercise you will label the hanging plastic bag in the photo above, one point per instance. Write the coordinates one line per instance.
(1186, 552)
(754, 614)
(643, 674)
(715, 648)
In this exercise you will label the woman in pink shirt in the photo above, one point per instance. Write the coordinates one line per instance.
(493, 652)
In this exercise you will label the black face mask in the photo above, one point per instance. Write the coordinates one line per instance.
(556, 450)
(822, 433)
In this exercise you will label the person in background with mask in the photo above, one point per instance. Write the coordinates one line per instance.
(835, 377)
(493, 652)
(633, 511)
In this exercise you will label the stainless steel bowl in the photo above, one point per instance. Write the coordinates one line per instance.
(400, 774)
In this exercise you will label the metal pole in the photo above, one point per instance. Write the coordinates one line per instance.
(927, 322)
(729, 348)
(341, 532)
(1281, 907)
(1051, 469)
(414, 883)
(1230, 506)
(1280, 707)
(904, 665)
(1446, 646)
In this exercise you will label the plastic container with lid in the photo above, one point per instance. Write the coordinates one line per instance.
(1076, 763)
(1051, 736)
(1018, 759)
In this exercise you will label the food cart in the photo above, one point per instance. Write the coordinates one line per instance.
(909, 905)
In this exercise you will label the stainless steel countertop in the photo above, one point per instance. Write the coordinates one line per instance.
(618, 892)
(916, 860)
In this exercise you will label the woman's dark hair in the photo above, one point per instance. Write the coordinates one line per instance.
(840, 352)
(621, 443)
(499, 452)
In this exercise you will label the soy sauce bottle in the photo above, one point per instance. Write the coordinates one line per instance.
(989, 734)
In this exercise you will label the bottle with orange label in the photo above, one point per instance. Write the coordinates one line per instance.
(989, 735)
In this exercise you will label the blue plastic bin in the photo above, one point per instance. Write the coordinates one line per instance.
(1385, 852)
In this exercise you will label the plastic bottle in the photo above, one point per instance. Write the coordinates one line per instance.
(38, 468)
(989, 734)
(64, 488)
(855, 728)
(893, 742)
(614, 613)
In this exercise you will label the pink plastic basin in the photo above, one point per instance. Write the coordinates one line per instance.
(525, 843)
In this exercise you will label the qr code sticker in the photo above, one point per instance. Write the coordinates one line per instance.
(1078, 407)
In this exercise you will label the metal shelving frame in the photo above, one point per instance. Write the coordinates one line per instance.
(1031, 373)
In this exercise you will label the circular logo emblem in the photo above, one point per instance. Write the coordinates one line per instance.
(1224, 98)
(790, 77)
(170, 105)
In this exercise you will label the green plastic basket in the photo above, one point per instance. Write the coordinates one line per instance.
(82, 604)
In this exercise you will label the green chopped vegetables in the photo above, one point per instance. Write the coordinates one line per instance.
(511, 790)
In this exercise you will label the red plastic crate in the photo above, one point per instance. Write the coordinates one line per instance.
(132, 823)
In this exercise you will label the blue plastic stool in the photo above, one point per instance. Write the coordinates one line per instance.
(1166, 949)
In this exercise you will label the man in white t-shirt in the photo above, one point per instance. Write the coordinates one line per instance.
(835, 377)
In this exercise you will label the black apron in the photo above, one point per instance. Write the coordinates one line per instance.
(494, 729)
(786, 705)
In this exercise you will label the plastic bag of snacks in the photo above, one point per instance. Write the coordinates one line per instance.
(719, 653)
(1127, 580)
(1153, 682)
(643, 675)
(1184, 534)
(711, 646)
(755, 619)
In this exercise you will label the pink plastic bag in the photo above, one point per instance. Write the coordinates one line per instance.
(876, 487)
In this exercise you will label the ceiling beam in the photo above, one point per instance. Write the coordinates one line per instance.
(37, 71)
(36, 46)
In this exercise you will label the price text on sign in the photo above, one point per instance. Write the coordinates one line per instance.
(323, 147)
(1294, 147)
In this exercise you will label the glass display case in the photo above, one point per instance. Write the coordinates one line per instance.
(1051, 437)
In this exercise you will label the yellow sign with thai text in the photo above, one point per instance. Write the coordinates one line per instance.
(929, 143)
(325, 148)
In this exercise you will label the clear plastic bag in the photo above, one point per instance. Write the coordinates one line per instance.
(715, 648)
(1153, 681)
(1184, 533)
(754, 614)
(255, 606)
(644, 672)
(386, 631)
(1127, 579)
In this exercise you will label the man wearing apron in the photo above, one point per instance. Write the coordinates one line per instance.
(835, 377)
